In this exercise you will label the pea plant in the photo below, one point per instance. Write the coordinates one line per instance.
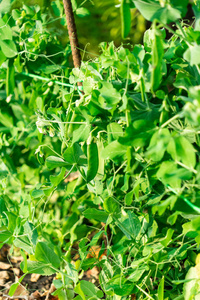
(103, 176)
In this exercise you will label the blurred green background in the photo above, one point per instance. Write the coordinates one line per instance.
(96, 20)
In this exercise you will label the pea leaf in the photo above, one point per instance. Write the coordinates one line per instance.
(153, 11)
(81, 134)
(46, 255)
(74, 155)
(53, 162)
(113, 150)
(38, 267)
(8, 48)
(96, 214)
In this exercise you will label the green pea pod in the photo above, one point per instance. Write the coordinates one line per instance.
(10, 78)
(93, 161)
(125, 18)
(157, 59)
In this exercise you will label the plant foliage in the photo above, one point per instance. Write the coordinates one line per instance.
(133, 140)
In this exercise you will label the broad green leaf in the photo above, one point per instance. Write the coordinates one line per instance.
(82, 12)
(24, 243)
(111, 205)
(152, 10)
(191, 288)
(167, 174)
(8, 48)
(74, 155)
(110, 94)
(37, 193)
(125, 18)
(3, 207)
(38, 267)
(46, 255)
(114, 131)
(113, 150)
(81, 134)
(119, 285)
(158, 144)
(193, 225)
(93, 161)
(165, 241)
(5, 6)
(49, 69)
(129, 224)
(5, 235)
(5, 31)
(2, 57)
(182, 150)
(96, 214)
(192, 55)
(57, 8)
(53, 162)
(137, 134)
(137, 273)
(88, 288)
(6, 120)
(129, 198)
(55, 180)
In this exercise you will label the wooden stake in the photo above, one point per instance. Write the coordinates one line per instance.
(71, 26)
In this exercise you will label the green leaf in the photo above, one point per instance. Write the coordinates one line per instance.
(8, 47)
(192, 54)
(82, 12)
(46, 255)
(114, 131)
(96, 214)
(55, 180)
(191, 288)
(166, 240)
(125, 18)
(137, 134)
(182, 150)
(153, 11)
(129, 224)
(167, 173)
(5, 6)
(37, 193)
(5, 235)
(81, 134)
(158, 144)
(5, 31)
(93, 161)
(129, 198)
(110, 94)
(57, 8)
(113, 150)
(38, 268)
(24, 243)
(74, 155)
(53, 162)
(111, 206)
